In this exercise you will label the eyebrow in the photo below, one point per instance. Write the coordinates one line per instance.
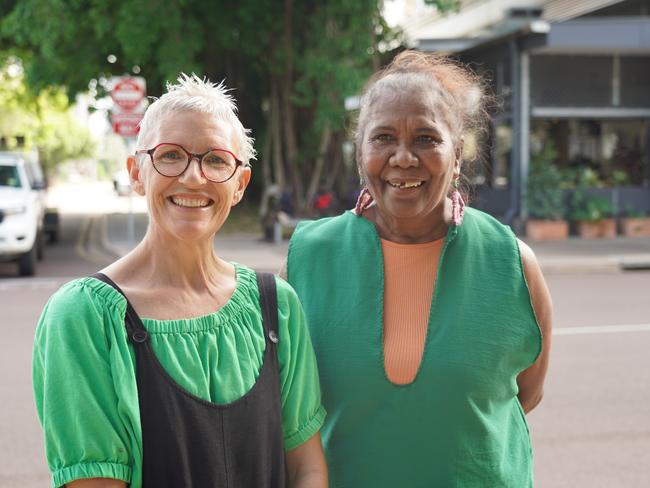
(429, 128)
(383, 127)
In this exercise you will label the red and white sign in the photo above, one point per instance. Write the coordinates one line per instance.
(126, 124)
(128, 92)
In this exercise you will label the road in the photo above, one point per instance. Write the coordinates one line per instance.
(591, 430)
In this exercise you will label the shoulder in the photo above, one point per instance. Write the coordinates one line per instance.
(323, 229)
(247, 281)
(531, 268)
(528, 258)
(539, 292)
(78, 307)
(83, 294)
(485, 223)
(286, 293)
(484, 237)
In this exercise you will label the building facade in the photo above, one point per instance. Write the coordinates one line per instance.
(573, 75)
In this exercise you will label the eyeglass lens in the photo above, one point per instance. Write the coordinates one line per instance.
(171, 160)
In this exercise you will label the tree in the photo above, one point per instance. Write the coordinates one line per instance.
(42, 120)
(293, 63)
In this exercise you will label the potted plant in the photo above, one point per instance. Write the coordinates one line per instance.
(635, 223)
(593, 215)
(545, 198)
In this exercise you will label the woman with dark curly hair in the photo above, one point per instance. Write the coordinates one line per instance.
(431, 321)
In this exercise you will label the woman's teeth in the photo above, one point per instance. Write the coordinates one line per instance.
(190, 202)
(405, 184)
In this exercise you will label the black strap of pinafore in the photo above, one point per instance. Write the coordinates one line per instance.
(268, 305)
(134, 327)
(189, 442)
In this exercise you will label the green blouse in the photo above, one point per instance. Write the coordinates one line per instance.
(84, 372)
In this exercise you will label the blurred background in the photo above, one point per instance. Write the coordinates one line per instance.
(565, 162)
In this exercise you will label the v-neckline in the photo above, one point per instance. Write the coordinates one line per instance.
(452, 231)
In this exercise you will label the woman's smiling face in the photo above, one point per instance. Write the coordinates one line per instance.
(407, 156)
(189, 207)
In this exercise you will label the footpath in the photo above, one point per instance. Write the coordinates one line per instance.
(568, 256)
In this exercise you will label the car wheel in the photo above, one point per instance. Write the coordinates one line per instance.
(53, 236)
(40, 246)
(27, 262)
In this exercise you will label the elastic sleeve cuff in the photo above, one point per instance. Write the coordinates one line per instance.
(306, 432)
(91, 470)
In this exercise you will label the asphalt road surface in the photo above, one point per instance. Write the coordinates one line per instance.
(591, 430)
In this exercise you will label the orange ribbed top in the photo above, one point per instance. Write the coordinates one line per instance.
(409, 279)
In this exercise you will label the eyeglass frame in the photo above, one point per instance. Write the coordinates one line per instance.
(191, 156)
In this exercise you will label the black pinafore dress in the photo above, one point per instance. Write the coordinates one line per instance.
(189, 442)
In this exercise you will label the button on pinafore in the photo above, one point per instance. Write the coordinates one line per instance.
(191, 442)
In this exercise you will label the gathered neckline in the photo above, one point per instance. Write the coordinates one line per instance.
(238, 303)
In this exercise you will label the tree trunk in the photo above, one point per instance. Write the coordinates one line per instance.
(276, 135)
(325, 138)
(336, 158)
(265, 162)
(290, 144)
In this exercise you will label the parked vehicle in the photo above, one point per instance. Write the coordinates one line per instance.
(22, 207)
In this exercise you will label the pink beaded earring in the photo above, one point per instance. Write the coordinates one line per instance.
(363, 202)
(457, 205)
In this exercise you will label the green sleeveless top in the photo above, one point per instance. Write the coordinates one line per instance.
(459, 424)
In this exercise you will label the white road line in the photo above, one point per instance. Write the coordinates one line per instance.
(602, 329)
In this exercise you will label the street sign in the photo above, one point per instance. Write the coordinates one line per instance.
(128, 92)
(126, 124)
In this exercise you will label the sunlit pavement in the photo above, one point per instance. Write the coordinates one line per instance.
(92, 198)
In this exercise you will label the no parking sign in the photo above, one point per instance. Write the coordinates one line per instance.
(129, 92)
(129, 96)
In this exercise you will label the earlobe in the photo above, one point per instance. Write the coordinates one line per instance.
(244, 178)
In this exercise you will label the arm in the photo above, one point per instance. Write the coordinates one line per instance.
(531, 380)
(84, 432)
(302, 412)
(96, 483)
(283, 270)
(306, 465)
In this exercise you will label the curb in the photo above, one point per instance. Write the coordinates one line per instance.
(597, 264)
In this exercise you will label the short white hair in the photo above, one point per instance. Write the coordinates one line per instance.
(191, 93)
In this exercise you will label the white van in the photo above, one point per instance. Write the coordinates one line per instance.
(22, 208)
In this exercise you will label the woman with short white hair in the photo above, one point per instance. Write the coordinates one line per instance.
(172, 367)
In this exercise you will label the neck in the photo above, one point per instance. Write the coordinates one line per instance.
(414, 230)
(179, 264)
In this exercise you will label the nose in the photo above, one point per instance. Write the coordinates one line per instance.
(403, 157)
(193, 173)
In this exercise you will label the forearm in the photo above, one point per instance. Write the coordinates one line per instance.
(306, 465)
(308, 479)
(530, 400)
(96, 483)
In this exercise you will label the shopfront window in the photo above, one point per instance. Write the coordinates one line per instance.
(615, 149)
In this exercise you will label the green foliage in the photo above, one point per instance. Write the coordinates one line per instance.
(315, 53)
(42, 119)
(445, 5)
(631, 212)
(545, 181)
(620, 178)
(590, 207)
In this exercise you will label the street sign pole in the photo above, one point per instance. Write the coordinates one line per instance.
(129, 103)
(130, 221)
